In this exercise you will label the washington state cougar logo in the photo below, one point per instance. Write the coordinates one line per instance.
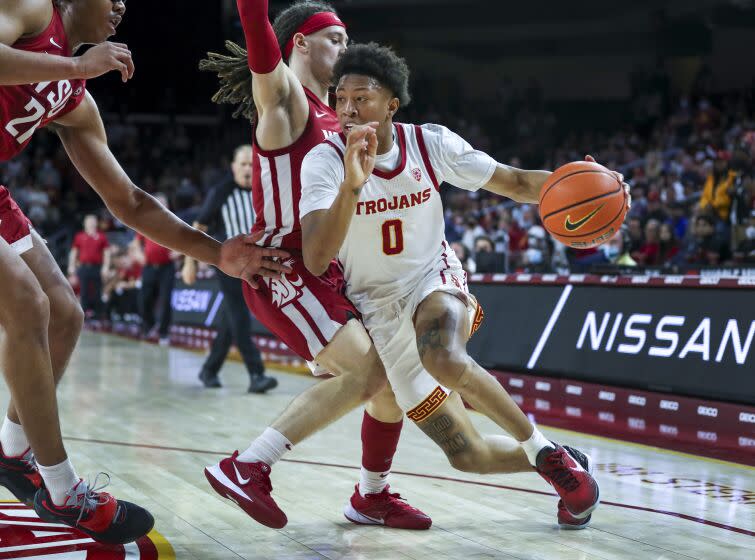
(24, 535)
(417, 174)
(285, 289)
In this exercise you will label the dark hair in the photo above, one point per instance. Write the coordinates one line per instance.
(378, 62)
(233, 70)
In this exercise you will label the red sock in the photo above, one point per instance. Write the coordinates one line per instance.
(379, 442)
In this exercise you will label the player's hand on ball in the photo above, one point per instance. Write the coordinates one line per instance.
(103, 58)
(241, 257)
(359, 159)
(620, 177)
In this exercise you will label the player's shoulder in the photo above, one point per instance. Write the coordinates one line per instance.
(31, 16)
(435, 131)
(327, 150)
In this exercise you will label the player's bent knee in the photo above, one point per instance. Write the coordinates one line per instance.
(448, 367)
(30, 303)
(469, 460)
(66, 310)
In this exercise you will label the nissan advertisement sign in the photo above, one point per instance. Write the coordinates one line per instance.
(698, 342)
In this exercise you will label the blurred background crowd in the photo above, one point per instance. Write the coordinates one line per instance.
(660, 107)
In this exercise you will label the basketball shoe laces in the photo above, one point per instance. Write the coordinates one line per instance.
(91, 498)
(29, 461)
(396, 499)
(559, 472)
(260, 475)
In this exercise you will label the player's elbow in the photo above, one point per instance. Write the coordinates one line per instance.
(315, 260)
(128, 206)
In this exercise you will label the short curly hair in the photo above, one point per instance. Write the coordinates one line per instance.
(377, 62)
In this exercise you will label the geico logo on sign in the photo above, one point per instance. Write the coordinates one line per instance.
(607, 396)
(194, 301)
(746, 442)
(573, 411)
(669, 405)
(707, 436)
(637, 400)
(669, 430)
(707, 411)
(606, 416)
(733, 341)
(516, 382)
(540, 404)
(748, 417)
(543, 386)
(636, 423)
(574, 389)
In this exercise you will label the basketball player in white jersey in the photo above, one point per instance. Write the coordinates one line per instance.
(370, 197)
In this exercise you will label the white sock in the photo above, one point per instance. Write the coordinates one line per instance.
(13, 439)
(59, 479)
(371, 482)
(268, 448)
(534, 445)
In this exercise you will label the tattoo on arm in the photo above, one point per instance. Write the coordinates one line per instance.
(446, 434)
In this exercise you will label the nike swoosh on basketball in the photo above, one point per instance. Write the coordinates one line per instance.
(241, 479)
(574, 226)
(52, 40)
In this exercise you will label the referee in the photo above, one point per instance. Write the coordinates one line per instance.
(228, 212)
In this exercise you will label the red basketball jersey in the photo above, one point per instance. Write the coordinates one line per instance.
(276, 186)
(25, 108)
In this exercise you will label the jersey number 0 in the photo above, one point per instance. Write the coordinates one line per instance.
(393, 237)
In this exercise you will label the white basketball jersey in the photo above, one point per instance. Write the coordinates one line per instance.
(397, 235)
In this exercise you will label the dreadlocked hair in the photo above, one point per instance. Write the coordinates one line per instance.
(378, 62)
(233, 69)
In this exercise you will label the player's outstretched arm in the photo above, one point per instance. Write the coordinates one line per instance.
(517, 184)
(323, 231)
(83, 136)
(278, 95)
(22, 17)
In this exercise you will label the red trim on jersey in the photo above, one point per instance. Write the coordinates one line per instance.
(335, 147)
(401, 138)
(310, 321)
(425, 156)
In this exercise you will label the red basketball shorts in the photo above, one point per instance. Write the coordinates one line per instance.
(304, 311)
(15, 227)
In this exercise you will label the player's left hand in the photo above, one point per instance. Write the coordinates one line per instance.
(620, 177)
(241, 257)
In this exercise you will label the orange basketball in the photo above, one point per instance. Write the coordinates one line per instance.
(582, 204)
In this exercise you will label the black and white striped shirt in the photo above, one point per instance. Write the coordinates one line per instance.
(227, 211)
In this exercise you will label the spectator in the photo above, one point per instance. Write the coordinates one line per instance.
(537, 257)
(636, 238)
(668, 246)
(705, 247)
(121, 290)
(158, 277)
(89, 259)
(650, 248)
(487, 260)
(745, 251)
(718, 188)
(464, 256)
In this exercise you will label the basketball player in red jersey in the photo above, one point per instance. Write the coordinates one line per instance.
(41, 84)
(291, 65)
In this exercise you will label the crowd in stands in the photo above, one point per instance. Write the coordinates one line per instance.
(689, 162)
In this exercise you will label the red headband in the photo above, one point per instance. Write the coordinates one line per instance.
(315, 23)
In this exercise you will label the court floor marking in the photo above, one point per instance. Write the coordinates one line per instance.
(428, 476)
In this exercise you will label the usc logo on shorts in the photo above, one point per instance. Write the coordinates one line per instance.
(22, 533)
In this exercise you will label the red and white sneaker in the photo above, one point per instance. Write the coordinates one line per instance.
(576, 487)
(20, 475)
(565, 519)
(98, 514)
(386, 509)
(248, 486)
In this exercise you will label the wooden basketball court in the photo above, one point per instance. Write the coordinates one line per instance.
(138, 412)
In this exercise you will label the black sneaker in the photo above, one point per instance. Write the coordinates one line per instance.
(98, 514)
(209, 380)
(262, 383)
(20, 476)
